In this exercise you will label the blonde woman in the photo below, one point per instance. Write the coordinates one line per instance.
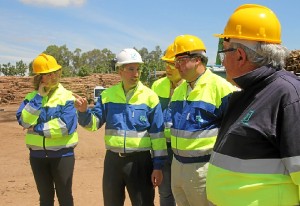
(50, 118)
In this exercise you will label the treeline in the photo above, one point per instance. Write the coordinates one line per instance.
(78, 63)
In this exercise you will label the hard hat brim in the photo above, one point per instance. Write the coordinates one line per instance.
(168, 59)
(271, 41)
(51, 70)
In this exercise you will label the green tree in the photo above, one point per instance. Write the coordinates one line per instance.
(145, 67)
(8, 69)
(21, 68)
(77, 60)
(30, 73)
(106, 58)
(84, 71)
(92, 59)
(78, 63)
(152, 63)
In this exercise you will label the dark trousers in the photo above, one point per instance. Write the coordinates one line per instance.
(54, 175)
(134, 173)
(166, 197)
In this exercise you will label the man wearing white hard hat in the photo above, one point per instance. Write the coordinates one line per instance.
(134, 134)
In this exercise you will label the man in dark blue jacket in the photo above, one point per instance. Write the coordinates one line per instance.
(256, 158)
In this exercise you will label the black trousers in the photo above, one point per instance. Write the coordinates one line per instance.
(134, 173)
(54, 174)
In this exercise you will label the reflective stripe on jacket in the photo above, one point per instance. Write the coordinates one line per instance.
(162, 88)
(54, 120)
(131, 126)
(256, 158)
(196, 118)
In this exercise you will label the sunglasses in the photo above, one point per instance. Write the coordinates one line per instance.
(222, 53)
(182, 59)
(169, 65)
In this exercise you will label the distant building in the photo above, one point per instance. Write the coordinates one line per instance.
(217, 69)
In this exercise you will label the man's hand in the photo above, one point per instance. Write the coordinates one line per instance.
(81, 103)
(156, 177)
(30, 129)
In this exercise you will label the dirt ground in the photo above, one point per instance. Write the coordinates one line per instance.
(17, 186)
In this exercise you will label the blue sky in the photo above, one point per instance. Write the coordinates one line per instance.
(29, 26)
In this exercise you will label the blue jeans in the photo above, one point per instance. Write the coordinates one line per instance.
(166, 197)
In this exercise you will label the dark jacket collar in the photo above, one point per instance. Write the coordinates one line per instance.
(254, 77)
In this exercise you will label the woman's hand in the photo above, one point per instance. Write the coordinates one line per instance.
(43, 90)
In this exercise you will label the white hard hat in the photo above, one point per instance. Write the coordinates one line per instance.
(128, 56)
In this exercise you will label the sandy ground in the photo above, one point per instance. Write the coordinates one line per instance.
(17, 186)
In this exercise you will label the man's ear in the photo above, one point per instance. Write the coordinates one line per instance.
(242, 54)
(198, 60)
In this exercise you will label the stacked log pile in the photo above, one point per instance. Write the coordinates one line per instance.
(14, 89)
(293, 62)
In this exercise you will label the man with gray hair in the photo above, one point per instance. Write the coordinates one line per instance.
(256, 158)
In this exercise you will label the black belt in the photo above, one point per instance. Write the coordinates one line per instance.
(200, 159)
(129, 154)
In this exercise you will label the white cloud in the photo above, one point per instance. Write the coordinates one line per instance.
(55, 3)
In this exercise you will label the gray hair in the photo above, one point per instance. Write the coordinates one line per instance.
(265, 54)
(201, 54)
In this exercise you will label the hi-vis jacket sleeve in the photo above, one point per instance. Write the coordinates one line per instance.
(51, 118)
(93, 119)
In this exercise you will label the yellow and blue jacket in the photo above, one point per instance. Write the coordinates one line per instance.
(162, 88)
(54, 123)
(197, 117)
(133, 126)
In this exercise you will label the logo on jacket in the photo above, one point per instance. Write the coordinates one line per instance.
(199, 118)
(246, 119)
(143, 119)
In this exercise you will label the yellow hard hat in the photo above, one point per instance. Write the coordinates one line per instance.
(45, 63)
(253, 22)
(169, 55)
(187, 44)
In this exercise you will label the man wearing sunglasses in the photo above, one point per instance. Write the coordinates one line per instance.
(134, 139)
(256, 158)
(197, 107)
(164, 88)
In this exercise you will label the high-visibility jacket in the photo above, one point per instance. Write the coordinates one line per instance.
(162, 88)
(54, 122)
(132, 126)
(256, 158)
(196, 118)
